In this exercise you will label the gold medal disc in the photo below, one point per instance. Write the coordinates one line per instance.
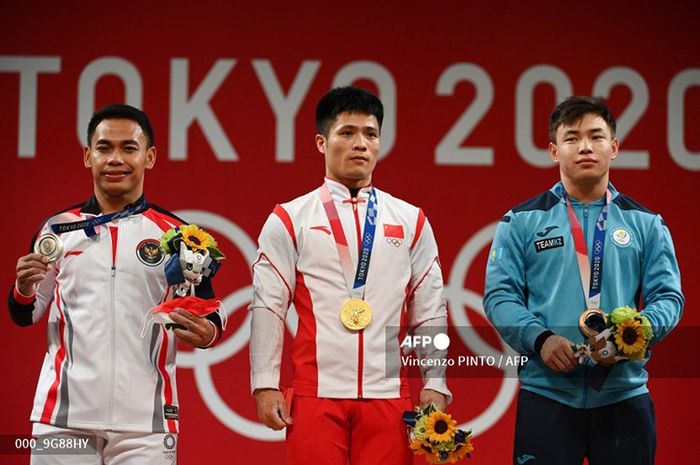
(356, 314)
(592, 321)
(49, 245)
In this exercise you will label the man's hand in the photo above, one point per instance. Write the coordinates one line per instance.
(428, 395)
(272, 408)
(198, 332)
(31, 270)
(556, 353)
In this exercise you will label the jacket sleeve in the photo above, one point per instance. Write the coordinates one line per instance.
(505, 296)
(427, 311)
(274, 274)
(661, 281)
(27, 310)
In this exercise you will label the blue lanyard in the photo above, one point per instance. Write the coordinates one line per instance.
(593, 270)
(367, 241)
(89, 225)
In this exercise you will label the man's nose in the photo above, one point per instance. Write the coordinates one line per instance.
(115, 157)
(586, 146)
(360, 142)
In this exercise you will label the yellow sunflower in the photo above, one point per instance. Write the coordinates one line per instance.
(440, 426)
(434, 457)
(462, 451)
(196, 238)
(417, 447)
(630, 338)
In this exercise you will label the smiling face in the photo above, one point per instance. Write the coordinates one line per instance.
(584, 151)
(118, 156)
(351, 149)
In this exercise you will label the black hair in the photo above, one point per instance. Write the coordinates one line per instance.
(121, 111)
(346, 100)
(574, 108)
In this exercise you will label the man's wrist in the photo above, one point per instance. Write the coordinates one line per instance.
(213, 337)
(541, 339)
(260, 390)
(21, 298)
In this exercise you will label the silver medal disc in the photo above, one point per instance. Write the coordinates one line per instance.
(49, 245)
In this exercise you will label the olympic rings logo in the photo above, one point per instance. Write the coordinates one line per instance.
(598, 246)
(201, 361)
(393, 241)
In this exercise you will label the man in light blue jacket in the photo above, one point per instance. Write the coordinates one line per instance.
(537, 288)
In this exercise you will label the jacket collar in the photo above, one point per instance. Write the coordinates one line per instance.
(339, 192)
(91, 207)
(558, 190)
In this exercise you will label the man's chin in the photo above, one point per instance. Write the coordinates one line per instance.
(117, 191)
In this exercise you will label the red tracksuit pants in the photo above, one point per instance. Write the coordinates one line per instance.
(348, 432)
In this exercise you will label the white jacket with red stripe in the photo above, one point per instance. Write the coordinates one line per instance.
(99, 372)
(298, 263)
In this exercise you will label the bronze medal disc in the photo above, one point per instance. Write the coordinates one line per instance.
(592, 321)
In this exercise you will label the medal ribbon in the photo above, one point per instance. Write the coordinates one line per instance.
(591, 272)
(89, 225)
(358, 287)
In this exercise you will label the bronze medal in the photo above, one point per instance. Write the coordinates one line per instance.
(356, 314)
(592, 321)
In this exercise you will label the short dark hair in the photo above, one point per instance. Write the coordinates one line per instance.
(574, 108)
(121, 111)
(346, 100)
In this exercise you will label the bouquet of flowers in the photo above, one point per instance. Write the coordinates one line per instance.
(626, 336)
(435, 434)
(194, 254)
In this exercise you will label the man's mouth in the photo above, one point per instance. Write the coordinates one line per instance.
(115, 175)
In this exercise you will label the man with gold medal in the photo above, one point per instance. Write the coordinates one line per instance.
(361, 268)
(559, 262)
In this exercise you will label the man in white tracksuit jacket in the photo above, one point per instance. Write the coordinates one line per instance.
(348, 391)
(101, 379)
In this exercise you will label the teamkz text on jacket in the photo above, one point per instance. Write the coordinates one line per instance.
(533, 285)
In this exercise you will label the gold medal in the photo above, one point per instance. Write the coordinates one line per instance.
(49, 245)
(355, 314)
(592, 321)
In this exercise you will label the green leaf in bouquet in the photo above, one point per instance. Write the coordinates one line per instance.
(215, 253)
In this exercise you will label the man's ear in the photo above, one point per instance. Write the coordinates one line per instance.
(151, 157)
(87, 161)
(321, 143)
(554, 153)
(615, 148)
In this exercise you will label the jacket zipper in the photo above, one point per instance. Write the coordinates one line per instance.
(585, 366)
(360, 333)
(114, 233)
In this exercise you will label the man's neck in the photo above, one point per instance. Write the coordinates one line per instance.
(583, 192)
(110, 204)
(352, 184)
